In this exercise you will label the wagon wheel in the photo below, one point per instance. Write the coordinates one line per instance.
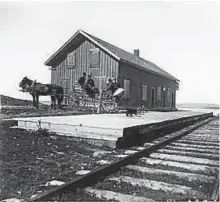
(80, 103)
(107, 107)
(116, 109)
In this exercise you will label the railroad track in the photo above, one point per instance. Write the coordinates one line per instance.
(182, 166)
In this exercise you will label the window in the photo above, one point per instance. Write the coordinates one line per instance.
(144, 92)
(71, 60)
(94, 57)
(127, 88)
(168, 95)
(158, 93)
(153, 97)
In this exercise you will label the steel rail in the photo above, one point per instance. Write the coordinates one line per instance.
(103, 171)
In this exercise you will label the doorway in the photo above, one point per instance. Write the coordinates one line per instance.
(153, 96)
(164, 98)
(173, 100)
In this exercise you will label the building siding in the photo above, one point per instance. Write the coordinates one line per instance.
(139, 77)
(66, 77)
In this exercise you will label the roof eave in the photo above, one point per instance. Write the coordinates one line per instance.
(148, 70)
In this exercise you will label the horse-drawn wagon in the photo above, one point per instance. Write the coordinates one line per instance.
(80, 99)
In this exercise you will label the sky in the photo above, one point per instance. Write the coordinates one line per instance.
(180, 37)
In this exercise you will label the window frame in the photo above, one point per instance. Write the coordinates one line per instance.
(159, 93)
(168, 95)
(71, 65)
(94, 65)
(127, 93)
(144, 89)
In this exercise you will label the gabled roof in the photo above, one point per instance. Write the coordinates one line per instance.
(112, 50)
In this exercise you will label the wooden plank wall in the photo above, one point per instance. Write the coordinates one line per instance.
(139, 77)
(61, 73)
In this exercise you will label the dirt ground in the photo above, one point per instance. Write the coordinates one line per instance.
(44, 110)
(28, 160)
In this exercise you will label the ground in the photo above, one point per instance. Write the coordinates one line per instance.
(28, 160)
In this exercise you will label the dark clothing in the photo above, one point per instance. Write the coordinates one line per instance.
(115, 86)
(90, 82)
(81, 81)
(89, 87)
(110, 87)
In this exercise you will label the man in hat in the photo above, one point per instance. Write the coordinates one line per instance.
(82, 80)
(109, 88)
(116, 85)
(90, 85)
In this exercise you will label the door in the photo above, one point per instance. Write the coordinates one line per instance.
(164, 98)
(153, 97)
(173, 100)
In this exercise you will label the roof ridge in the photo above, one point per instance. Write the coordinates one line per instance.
(96, 38)
(114, 51)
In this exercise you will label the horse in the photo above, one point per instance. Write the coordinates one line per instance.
(38, 89)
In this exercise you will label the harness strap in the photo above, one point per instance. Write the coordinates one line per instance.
(33, 83)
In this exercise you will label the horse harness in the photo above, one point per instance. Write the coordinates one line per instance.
(35, 87)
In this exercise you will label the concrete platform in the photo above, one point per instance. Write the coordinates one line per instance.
(105, 128)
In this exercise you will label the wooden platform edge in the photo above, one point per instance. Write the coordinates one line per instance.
(135, 135)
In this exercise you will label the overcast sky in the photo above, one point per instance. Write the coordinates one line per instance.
(180, 37)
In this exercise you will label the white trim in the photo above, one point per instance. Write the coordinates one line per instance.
(62, 47)
(98, 44)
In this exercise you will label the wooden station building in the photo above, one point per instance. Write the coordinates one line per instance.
(145, 83)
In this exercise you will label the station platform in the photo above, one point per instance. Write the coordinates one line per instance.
(112, 130)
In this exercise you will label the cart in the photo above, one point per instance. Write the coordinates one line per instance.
(101, 102)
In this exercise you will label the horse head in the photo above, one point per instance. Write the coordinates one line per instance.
(25, 84)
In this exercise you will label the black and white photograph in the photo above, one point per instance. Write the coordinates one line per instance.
(109, 101)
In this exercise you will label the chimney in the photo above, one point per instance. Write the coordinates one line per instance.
(136, 52)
